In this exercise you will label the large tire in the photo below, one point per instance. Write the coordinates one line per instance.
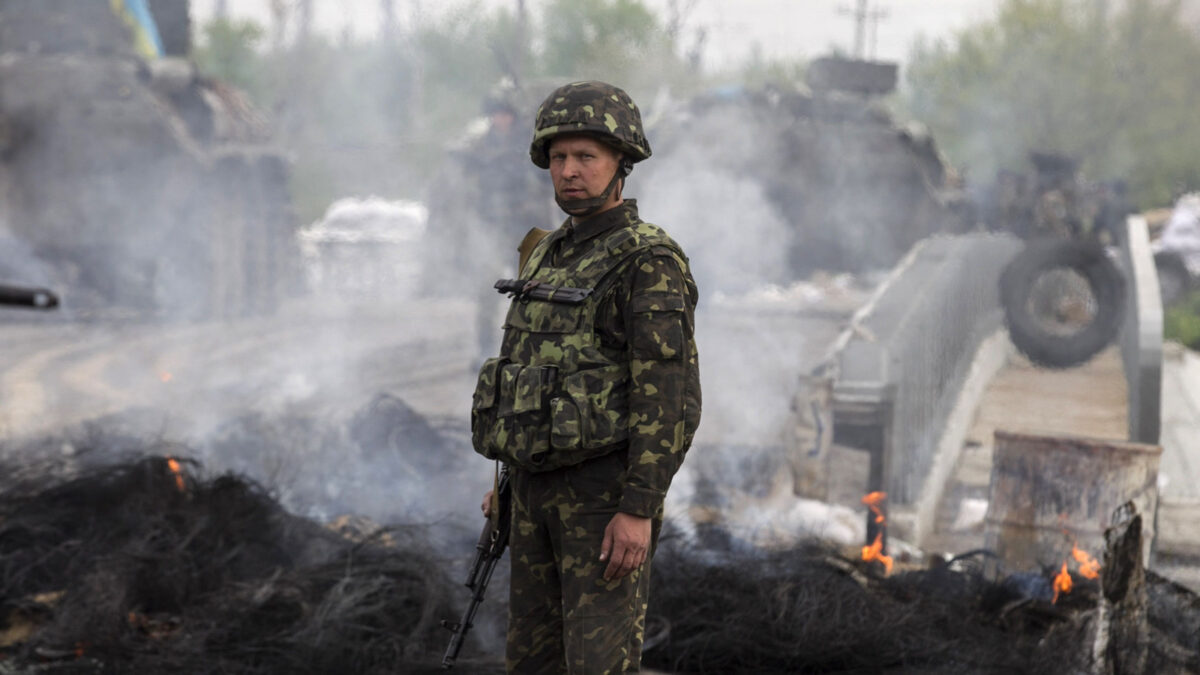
(1174, 281)
(1030, 332)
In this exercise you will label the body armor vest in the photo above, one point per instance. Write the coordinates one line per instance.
(556, 396)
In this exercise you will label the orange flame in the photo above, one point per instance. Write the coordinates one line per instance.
(872, 500)
(165, 376)
(1062, 582)
(1089, 567)
(176, 469)
(81, 649)
(875, 552)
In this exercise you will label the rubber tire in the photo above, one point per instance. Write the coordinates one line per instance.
(1107, 285)
(1178, 281)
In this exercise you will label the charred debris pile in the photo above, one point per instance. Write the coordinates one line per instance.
(808, 609)
(154, 565)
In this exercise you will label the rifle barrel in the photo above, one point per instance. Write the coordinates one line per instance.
(22, 296)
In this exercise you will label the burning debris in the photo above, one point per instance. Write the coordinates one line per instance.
(809, 609)
(1089, 568)
(874, 551)
(152, 566)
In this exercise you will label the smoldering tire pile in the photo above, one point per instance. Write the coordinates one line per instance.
(810, 610)
(151, 566)
(139, 567)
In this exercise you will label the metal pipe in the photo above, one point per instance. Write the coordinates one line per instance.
(23, 296)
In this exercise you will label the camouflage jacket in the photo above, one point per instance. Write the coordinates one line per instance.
(616, 371)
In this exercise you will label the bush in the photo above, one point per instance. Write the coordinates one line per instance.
(1181, 322)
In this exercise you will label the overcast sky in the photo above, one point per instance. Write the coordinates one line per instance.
(734, 28)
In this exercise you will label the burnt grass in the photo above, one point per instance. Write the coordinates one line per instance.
(118, 568)
(809, 610)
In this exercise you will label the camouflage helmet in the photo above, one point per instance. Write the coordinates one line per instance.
(590, 108)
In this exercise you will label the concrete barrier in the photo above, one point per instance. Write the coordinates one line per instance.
(898, 370)
(1141, 337)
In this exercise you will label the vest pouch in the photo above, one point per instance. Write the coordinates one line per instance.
(531, 388)
(483, 406)
(600, 397)
(519, 433)
(564, 424)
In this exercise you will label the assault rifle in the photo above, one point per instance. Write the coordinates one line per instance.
(23, 296)
(492, 542)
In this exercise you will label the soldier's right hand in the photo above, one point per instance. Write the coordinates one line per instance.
(486, 506)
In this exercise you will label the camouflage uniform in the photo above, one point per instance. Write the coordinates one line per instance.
(593, 405)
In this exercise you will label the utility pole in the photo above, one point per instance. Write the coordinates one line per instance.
(860, 28)
(304, 28)
(865, 19)
(875, 16)
(518, 52)
(387, 8)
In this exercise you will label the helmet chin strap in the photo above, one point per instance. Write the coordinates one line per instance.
(582, 208)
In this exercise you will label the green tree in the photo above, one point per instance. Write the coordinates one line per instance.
(1117, 92)
(621, 41)
(228, 52)
(377, 116)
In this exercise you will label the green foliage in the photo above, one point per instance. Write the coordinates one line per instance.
(228, 52)
(1118, 92)
(377, 117)
(601, 39)
(1181, 322)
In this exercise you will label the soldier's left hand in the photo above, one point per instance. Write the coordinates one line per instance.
(626, 545)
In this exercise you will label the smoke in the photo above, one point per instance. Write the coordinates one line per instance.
(700, 191)
(194, 313)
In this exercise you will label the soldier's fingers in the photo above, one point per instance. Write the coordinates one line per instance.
(606, 546)
(610, 572)
(617, 559)
(618, 566)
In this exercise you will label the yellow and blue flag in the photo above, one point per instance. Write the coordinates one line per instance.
(136, 14)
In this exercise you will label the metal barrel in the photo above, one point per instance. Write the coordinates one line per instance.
(1050, 492)
(23, 296)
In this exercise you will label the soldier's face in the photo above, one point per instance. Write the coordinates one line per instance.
(581, 167)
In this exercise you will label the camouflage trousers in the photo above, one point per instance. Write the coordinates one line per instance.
(563, 617)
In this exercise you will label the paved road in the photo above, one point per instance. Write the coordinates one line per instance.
(53, 374)
(1085, 401)
(309, 366)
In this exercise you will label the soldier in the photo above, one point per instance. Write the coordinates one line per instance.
(482, 199)
(594, 399)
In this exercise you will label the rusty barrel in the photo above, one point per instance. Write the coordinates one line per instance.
(1049, 492)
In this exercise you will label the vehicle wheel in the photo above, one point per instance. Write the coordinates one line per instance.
(1173, 279)
(1063, 301)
